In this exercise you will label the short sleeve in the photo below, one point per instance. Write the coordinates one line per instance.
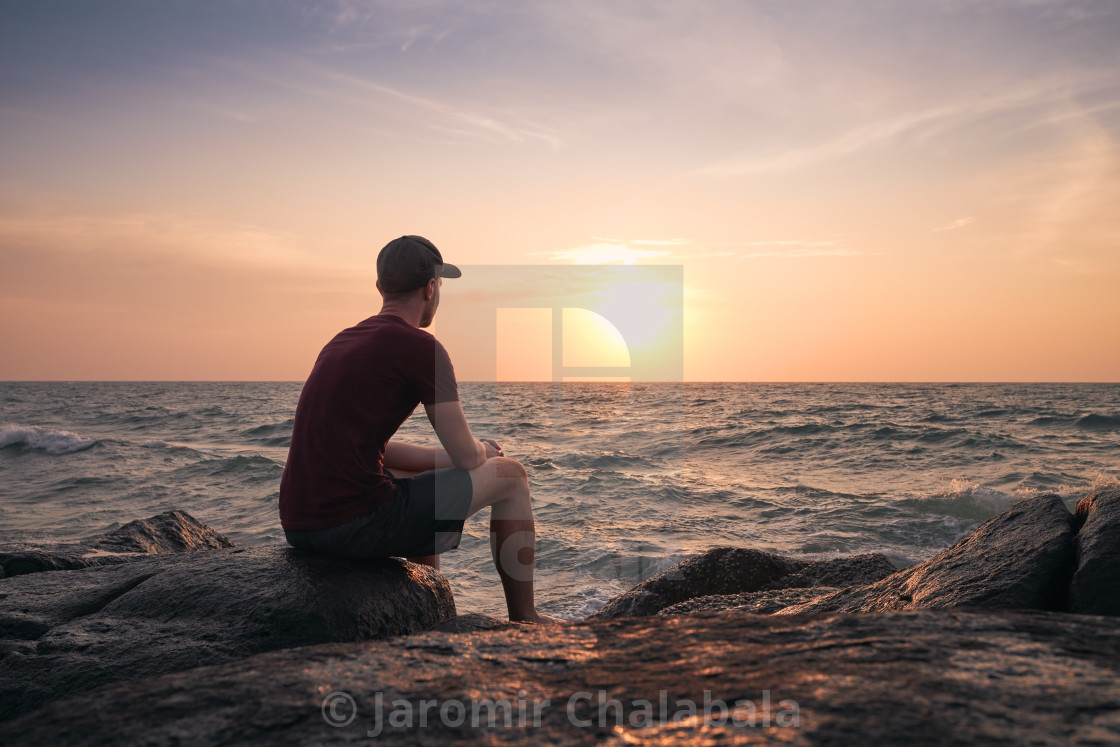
(437, 384)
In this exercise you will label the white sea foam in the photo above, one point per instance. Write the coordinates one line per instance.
(44, 439)
(994, 500)
(595, 599)
(963, 498)
(1099, 481)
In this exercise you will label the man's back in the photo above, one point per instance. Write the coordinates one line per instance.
(365, 384)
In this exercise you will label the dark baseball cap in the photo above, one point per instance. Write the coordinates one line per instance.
(409, 262)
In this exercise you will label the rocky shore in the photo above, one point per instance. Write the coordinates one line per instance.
(1008, 637)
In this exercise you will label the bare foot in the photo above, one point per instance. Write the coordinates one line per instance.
(540, 619)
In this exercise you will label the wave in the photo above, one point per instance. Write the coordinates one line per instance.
(273, 434)
(964, 500)
(604, 461)
(765, 435)
(1093, 421)
(243, 464)
(46, 440)
(1051, 420)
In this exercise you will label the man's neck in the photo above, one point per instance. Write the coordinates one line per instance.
(411, 313)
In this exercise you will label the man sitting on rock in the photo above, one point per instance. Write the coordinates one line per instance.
(349, 490)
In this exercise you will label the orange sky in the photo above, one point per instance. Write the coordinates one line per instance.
(874, 192)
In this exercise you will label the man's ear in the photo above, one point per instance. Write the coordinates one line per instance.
(430, 289)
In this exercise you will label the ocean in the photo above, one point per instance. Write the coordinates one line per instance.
(627, 479)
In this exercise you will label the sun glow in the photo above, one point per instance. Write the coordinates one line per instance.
(591, 340)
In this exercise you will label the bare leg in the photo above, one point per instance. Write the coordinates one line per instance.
(502, 484)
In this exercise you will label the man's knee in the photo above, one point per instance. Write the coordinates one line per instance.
(506, 467)
(512, 481)
(499, 480)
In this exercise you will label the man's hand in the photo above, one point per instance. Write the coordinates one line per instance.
(492, 448)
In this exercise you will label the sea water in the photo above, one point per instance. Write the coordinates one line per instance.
(626, 478)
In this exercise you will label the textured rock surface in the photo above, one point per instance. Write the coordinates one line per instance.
(741, 572)
(170, 532)
(472, 622)
(1095, 588)
(928, 677)
(1020, 559)
(757, 602)
(839, 572)
(722, 570)
(75, 630)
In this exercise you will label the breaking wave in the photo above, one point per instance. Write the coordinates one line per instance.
(46, 440)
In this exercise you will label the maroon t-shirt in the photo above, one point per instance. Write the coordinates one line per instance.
(365, 383)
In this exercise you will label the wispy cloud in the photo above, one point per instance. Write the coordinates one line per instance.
(802, 253)
(797, 249)
(921, 125)
(662, 242)
(626, 252)
(454, 119)
(955, 224)
(163, 236)
(794, 242)
(342, 89)
(610, 252)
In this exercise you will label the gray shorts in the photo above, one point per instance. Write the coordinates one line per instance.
(424, 517)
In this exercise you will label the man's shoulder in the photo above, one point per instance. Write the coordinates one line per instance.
(399, 333)
(387, 325)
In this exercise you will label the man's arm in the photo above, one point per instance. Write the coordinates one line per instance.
(450, 424)
(414, 458)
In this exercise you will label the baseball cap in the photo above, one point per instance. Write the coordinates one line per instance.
(409, 262)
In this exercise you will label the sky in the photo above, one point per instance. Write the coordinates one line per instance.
(846, 191)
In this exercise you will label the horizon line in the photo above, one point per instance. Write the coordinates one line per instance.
(636, 381)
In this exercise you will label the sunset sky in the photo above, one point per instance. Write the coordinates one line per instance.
(856, 191)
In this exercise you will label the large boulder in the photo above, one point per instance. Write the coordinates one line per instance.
(743, 576)
(838, 572)
(71, 631)
(722, 570)
(170, 532)
(755, 602)
(926, 677)
(1095, 589)
(1020, 559)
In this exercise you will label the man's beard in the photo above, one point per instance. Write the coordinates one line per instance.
(428, 315)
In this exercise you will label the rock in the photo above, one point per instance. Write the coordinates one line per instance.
(721, 570)
(170, 532)
(1020, 559)
(73, 631)
(742, 574)
(473, 622)
(1095, 589)
(925, 677)
(839, 572)
(173, 531)
(757, 602)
